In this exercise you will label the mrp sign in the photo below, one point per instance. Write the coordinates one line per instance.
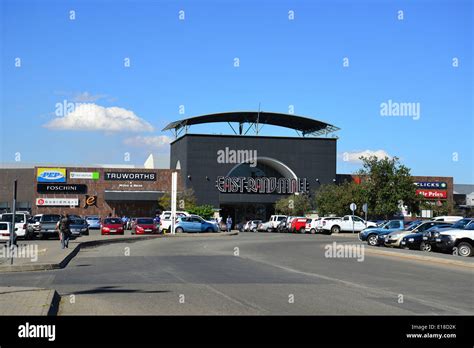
(51, 175)
(433, 194)
(431, 185)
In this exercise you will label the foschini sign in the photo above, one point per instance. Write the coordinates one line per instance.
(61, 188)
(264, 185)
(130, 176)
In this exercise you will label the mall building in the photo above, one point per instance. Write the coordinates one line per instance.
(241, 175)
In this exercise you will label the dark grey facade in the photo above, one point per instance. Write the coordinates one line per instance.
(197, 157)
(25, 191)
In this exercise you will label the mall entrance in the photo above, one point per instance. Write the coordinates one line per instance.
(240, 212)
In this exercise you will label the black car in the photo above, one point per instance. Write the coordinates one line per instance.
(429, 237)
(414, 240)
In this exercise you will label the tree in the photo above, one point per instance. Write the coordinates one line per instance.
(293, 205)
(388, 184)
(336, 199)
(185, 200)
(204, 211)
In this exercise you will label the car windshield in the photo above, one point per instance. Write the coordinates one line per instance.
(461, 223)
(92, 218)
(9, 217)
(78, 221)
(145, 221)
(413, 225)
(113, 221)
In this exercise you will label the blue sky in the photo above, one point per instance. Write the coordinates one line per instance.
(282, 62)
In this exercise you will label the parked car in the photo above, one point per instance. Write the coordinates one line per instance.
(447, 218)
(253, 225)
(5, 231)
(194, 223)
(429, 239)
(393, 239)
(44, 226)
(78, 227)
(299, 225)
(93, 222)
(266, 226)
(414, 240)
(283, 226)
(312, 225)
(144, 225)
(21, 223)
(165, 220)
(347, 224)
(372, 234)
(111, 225)
(275, 221)
(458, 241)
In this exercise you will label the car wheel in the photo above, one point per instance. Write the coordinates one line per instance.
(313, 231)
(464, 249)
(372, 240)
(254, 230)
(302, 230)
(335, 229)
(425, 247)
(269, 229)
(179, 230)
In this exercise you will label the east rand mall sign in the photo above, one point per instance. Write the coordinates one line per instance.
(263, 185)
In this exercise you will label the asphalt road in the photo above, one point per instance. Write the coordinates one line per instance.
(251, 273)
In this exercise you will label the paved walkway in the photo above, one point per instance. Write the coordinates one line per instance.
(28, 301)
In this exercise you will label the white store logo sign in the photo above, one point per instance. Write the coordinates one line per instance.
(72, 202)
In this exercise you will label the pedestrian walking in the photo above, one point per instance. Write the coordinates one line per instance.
(64, 230)
(229, 223)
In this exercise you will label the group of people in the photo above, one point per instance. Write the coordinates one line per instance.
(228, 222)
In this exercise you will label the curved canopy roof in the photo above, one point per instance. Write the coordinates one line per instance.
(303, 124)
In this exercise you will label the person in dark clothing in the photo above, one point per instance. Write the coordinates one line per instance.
(64, 230)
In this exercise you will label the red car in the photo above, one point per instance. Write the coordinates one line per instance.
(299, 224)
(144, 225)
(112, 226)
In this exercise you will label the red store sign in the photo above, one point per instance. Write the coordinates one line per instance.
(433, 194)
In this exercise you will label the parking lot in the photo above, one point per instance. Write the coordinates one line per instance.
(254, 273)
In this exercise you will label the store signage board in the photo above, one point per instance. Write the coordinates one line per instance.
(263, 185)
(61, 188)
(129, 176)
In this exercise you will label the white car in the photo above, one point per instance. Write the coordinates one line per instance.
(458, 241)
(165, 219)
(21, 222)
(4, 231)
(275, 221)
(447, 218)
(312, 225)
(346, 224)
(265, 226)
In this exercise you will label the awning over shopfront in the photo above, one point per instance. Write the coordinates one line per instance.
(133, 195)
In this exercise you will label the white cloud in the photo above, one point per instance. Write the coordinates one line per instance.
(151, 142)
(92, 117)
(354, 156)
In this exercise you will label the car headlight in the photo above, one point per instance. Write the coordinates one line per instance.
(436, 234)
(411, 239)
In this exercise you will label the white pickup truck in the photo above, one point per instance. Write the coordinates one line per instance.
(344, 224)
